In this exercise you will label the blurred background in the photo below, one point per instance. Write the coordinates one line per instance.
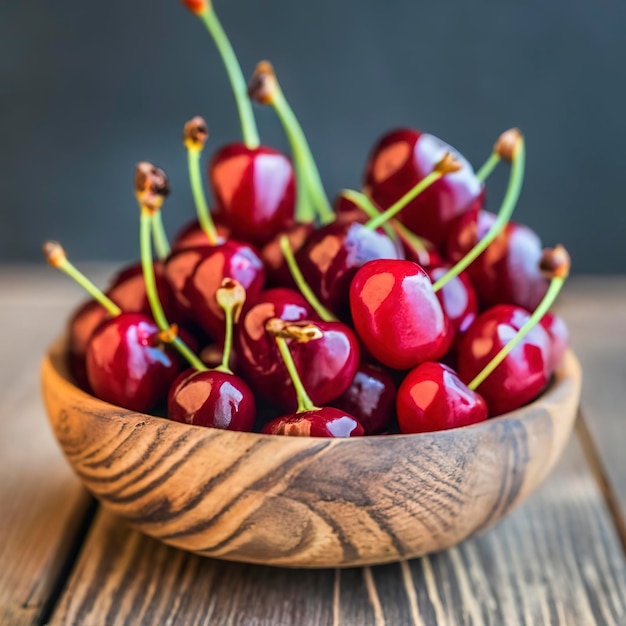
(90, 88)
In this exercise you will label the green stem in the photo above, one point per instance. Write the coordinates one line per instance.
(161, 243)
(301, 283)
(306, 168)
(395, 208)
(228, 343)
(237, 81)
(304, 401)
(369, 208)
(548, 300)
(305, 210)
(202, 208)
(68, 268)
(488, 166)
(514, 188)
(147, 265)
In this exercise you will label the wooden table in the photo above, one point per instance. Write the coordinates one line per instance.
(558, 559)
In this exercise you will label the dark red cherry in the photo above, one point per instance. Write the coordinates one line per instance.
(81, 326)
(278, 274)
(254, 191)
(400, 160)
(397, 314)
(214, 399)
(326, 366)
(432, 397)
(559, 337)
(195, 274)
(332, 255)
(508, 271)
(324, 422)
(523, 374)
(192, 235)
(370, 398)
(127, 365)
(457, 298)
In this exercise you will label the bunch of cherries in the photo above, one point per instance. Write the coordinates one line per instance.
(405, 307)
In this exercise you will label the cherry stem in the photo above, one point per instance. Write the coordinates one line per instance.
(304, 400)
(511, 197)
(161, 243)
(488, 166)
(57, 259)
(235, 75)
(369, 208)
(301, 283)
(202, 208)
(548, 300)
(231, 297)
(400, 204)
(147, 266)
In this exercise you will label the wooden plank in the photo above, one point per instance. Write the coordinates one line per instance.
(595, 310)
(557, 560)
(43, 504)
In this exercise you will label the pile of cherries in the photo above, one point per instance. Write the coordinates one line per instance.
(405, 308)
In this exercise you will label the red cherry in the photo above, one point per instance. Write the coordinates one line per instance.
(195, 275)
(559, 337)
(214, 399)
(127, 365)
(457, 298)
(278, 274)
(324, 422)
(397, 314)
(508, 271)
(523, 374)
(432, 397)
(370, 398)
(254, 191)
(332, 256)
(404, 157)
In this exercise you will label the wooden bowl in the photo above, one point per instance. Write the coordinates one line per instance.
(307, 502)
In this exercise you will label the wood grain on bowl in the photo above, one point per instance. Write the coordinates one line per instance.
(301, 502)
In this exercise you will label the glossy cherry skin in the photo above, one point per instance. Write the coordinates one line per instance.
(370, 398)
(213, 399)
(278, 274)
(404, 157)
(254, 191)
(324, 422)
(195, 275)
(397, 314)
(559, 337)
(127, 366)
(432, 397)
(523, 374)
(457, 298)
(326, 366)
(192, 235)
(332, 256)
(508, 271)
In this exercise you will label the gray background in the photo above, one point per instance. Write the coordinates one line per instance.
(89, 88)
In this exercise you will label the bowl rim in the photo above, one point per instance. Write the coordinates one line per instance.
(569, 371)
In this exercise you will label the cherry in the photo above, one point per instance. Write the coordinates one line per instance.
(403, 158)
(506, 354)
(370, 398)
(457, 298)
(327, 365)
(332, 255)
(192, 235)
(397, 314)
(308, 420)
(432, 397)
(216, 398)
(559, 336)
(254, 191)
(508, 271)
(278, 274)
(195, 274)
